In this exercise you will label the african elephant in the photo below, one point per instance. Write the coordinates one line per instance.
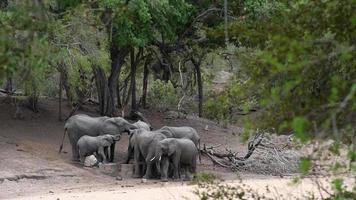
(88, 145)
(182, 152)
(144, 150)
(182, 132)
(142, 125)
(81, 124)
(130, 148)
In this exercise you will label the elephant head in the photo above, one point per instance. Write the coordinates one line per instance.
(107, 140)
(165, 148)
(116, 125)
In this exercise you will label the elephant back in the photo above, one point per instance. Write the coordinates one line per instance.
(183, 132)
(84, 125)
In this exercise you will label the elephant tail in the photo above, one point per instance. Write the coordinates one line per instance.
(64, 135)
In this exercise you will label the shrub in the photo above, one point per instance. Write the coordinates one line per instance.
(203, 177)
(162, 95)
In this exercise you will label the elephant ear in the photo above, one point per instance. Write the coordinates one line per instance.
(107, 141)
(109, 127)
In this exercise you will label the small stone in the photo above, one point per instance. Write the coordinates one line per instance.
(51, 192)
(90, 161)
(119, 178)
(143, 180)
(206, 128)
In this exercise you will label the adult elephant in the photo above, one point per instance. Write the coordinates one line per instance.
(132, 139)
(145, 143)
(81, 124)
(182, 152)
(182, 132)
(143, 125)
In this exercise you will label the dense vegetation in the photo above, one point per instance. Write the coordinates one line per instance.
(290, 65)
(292, 61)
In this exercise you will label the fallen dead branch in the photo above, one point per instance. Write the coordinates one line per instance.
(267, 158)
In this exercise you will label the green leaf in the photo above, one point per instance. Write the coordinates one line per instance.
(335, 148)
(337, 184)
(300, 125)
(304, 165)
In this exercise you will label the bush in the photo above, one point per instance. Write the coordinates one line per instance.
(203, 177)
(163, 96)
(301, 71)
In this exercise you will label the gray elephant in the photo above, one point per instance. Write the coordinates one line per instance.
(182, 132)
(81, 124)
(142, 125)
(89, 145)
(145, 143)
(130, 148)
(183, 154)
(132, 141)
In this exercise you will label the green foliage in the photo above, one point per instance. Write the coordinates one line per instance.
(216, 190)
(300, 70)
(24, 45)
(300, 125)
(203, 177)
(162, 96)
(304, 165)
(339, 190)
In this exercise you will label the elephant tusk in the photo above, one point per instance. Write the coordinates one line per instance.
(153, 158)
(159, 158)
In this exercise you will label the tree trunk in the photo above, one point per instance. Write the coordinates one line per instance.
(60, 97)
(200, 90)
(107, 88)
(197, 64)
(118, 96)
(133, 80)
(8, 85)
(66, 85)
(112, 80)
(145, 83)
(102, 90)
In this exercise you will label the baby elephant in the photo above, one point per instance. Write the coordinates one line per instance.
(89, 145)
(182, 152)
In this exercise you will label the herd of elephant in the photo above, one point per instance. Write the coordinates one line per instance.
(163, 153)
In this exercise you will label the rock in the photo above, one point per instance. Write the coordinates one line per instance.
(119, 178)
(143, 180)
(126, 170)
(91, 161)
(206, 127)
(110, 169)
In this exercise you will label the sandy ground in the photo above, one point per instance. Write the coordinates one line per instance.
(31, 168)
(277, 189)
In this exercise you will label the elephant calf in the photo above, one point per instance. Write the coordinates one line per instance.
(182, 132)
(89, 145)
(182, 152)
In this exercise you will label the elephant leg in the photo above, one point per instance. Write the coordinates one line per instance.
(112, 152)
(75, 151)
(193, 166)
(164, 169)
(82, 157)
(188, 175)
(136, 163)
(176, 160)
(129, 154)
(148, 173)
(106, 151)
(102, 154)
